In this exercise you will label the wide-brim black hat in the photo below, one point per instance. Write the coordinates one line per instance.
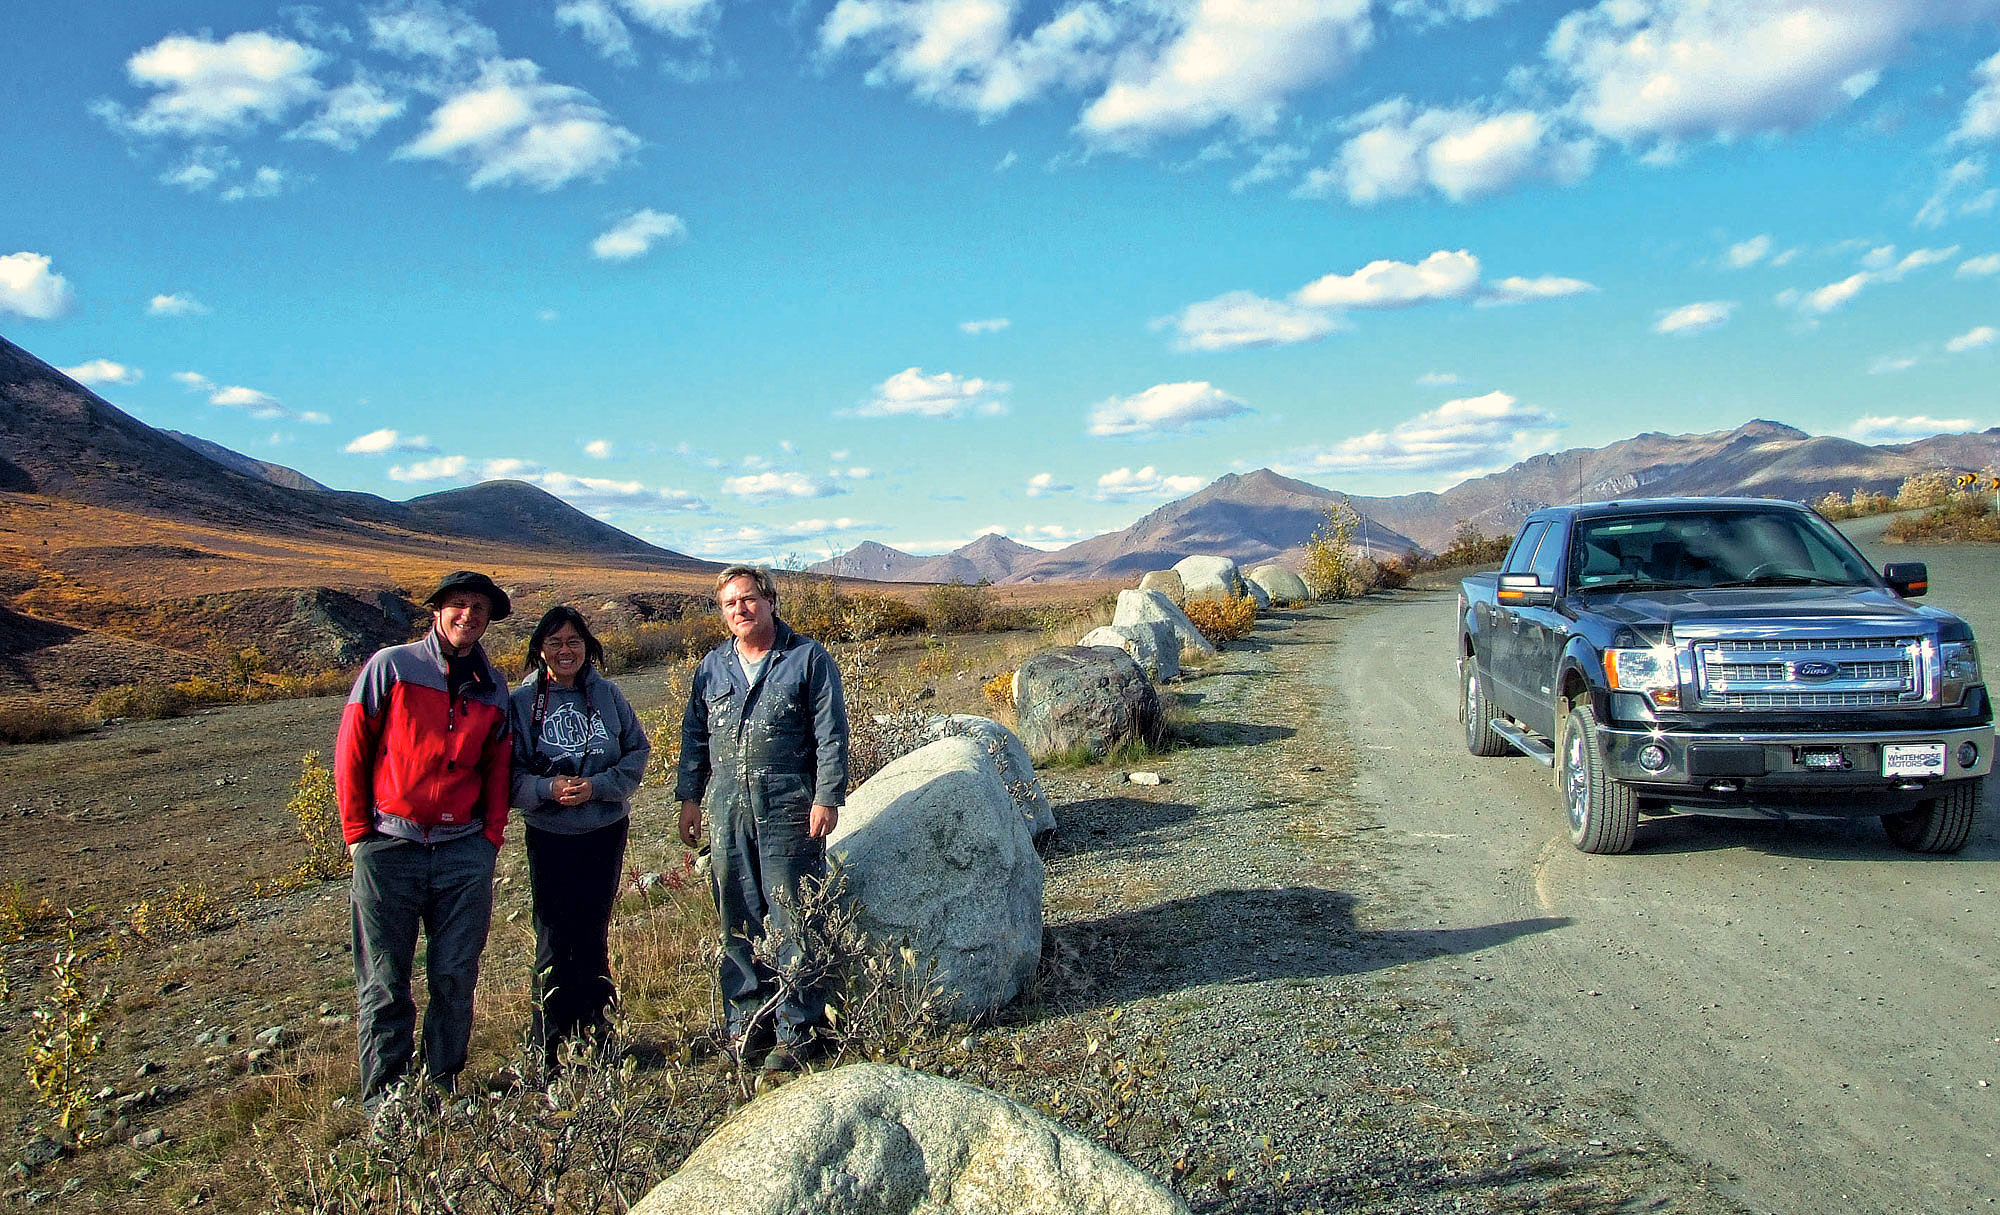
(470, 580)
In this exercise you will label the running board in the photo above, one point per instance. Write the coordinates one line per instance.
(1531, 745)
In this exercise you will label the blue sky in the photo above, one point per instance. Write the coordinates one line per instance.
(754, 279)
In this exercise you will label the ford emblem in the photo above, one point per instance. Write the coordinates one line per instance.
(1815, 670)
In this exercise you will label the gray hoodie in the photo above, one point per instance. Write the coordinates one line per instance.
(602, 741)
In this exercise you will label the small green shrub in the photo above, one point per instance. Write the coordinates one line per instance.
(955, 607)
(28, 721)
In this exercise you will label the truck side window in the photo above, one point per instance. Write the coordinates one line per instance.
(1521, 558)
(1547, 563)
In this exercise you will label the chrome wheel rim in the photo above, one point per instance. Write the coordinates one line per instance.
(1471, 705)
(1576, 780)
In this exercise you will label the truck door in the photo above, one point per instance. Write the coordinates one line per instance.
(1504, 668)
(1540, 634)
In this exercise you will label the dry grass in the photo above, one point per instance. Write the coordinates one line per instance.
(1961, 518)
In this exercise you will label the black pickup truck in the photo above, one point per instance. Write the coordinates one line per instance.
(1723, 656)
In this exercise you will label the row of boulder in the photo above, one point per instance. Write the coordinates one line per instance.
(1201, 577)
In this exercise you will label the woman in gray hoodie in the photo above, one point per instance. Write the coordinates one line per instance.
(579, 752)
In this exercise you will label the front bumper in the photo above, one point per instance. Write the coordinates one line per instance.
(1767, 775)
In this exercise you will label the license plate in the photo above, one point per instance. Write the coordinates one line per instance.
(1913, 759)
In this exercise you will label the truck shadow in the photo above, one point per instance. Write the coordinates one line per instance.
(1809, 839)
(1242, 936)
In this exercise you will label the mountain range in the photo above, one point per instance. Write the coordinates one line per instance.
(1262, 516)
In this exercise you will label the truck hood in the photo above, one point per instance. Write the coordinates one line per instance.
(1771, 611)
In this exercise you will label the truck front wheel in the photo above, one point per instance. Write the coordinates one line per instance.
(1478, 715)
(1942, 824)
(1603, 814)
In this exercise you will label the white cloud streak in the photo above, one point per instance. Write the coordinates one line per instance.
(103, 371)
(1977, 338)
(989, 325)
(1392, 284)
(1395, 151)
(911, 393)
(1698, 317)
(1164, 409)
(779, 486)
(1241, 319)
(382, 442)
(636, 234)
(207, 88)
(1145, 484)
(1043, 485)
(1464, 436)
(1890, 429)
(510, 127)
(177, 304)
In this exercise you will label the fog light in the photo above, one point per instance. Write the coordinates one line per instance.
(1968, 754)
(1653, 757)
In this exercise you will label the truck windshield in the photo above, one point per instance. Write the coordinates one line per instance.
(1711, 549)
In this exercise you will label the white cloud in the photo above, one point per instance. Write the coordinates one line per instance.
(444, 468)
(1830, 297)
(1044, 535)
(761, 542)
(1439, 379)
(28, 288)
(1392, 284)
(234, 396)
(1889, 269)
(1463, 436)
(1215, 61)
(103, 371)
(602, 22)
(598, 449)
(1980, 267)
(1749, 252)
(1429, 13)
(202, 170)
(944, 395)
(1164, 409)
(426, 29)
(1396, 150)
(1891, 364)
(1125, 485)
(989, 325)
(1978, 338)
(1675, 70)
(636, 234)
(1874, 429)
(1981, 120)
(1042, 485)
(1697, 317)
(350, 114)
(777, 486)
(1959, 194)
(1517, 290)
(510, 127)
(1241, 318)
(378, 442)
(266, 182)
(176, 304)
(208, 88)
(1272, 163)
(964, 54)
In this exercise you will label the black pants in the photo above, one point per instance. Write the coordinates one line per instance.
(575, 879)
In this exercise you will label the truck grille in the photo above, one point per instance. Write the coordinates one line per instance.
(1811, 673)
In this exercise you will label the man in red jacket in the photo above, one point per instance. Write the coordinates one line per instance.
(421, 770)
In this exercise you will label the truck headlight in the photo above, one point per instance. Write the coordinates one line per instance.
(1960, 660)
(1655, 673)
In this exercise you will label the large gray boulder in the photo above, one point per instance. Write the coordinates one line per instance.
(1153, 645)
(1010, 760)
(1085, 697)
(1209, 577)
(1282, 585)
(940, 859)
(869, 1139)
(1150, 607)
(1167, 582)
(1258, 595)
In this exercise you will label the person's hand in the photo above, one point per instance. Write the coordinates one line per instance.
(690, 822)
(569, 790)
(824, 819)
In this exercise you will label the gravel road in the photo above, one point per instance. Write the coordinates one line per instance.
(1804, 1009)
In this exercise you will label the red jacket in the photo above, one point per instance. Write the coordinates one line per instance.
(412, 761)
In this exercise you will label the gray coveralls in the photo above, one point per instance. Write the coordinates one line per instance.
(764, 754)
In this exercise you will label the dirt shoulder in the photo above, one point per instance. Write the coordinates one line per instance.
(1323, 1038)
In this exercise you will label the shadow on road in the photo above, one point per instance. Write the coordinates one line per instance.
(1248, 936)
(1093, 823)
(1859, 839)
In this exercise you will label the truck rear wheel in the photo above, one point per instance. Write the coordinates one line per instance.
(1480, 738)
(1603, 814)
(1942, 824)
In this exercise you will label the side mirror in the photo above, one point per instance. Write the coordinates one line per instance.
(1522, 590)
(1907, 578)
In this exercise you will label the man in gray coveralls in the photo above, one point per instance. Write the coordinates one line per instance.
(765, 738)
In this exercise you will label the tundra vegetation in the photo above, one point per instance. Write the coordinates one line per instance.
(1942, 507)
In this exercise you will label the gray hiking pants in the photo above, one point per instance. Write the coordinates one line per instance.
(400, 887)
(760, 853)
